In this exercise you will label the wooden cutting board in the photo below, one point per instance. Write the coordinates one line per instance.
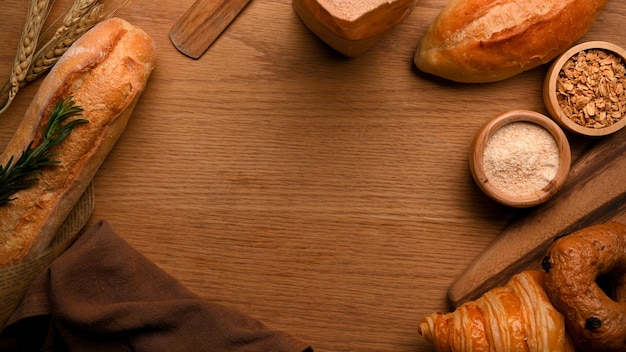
(595, 192)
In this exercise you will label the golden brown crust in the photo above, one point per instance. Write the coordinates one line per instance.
(106, 71)
(477, 41)
(515, 317)
(596, 321)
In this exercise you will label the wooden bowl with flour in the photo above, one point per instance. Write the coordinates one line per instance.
(520, 158)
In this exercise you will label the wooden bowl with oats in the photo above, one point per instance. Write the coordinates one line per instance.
(520, 158)
(584, 89)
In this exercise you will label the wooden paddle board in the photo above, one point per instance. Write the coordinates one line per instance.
(595, 192)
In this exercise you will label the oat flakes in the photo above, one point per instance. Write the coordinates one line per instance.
(590, 88)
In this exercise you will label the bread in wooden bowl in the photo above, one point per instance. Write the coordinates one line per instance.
(352, 27)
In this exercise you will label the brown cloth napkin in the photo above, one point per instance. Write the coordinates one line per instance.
(103, 295)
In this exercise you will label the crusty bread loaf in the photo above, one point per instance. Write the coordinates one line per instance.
(477, 41)
(105, 71)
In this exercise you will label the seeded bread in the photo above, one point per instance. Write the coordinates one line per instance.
(105, 71)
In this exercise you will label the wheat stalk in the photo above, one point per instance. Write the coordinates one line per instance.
(79, 9)
(82, 16)
(37, 14)
(32, 60)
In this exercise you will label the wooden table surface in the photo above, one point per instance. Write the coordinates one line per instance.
(327, 197)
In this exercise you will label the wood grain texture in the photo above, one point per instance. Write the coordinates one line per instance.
(327, 197)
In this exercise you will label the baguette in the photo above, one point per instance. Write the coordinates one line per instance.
(105, 71)
(477, 41)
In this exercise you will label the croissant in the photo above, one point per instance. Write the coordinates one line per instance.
(516, 317)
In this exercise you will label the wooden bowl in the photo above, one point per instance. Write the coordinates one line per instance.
(553, 91)
(351, 31)
(522, 134)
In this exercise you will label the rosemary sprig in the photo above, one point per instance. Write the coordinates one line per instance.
(21, 174)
